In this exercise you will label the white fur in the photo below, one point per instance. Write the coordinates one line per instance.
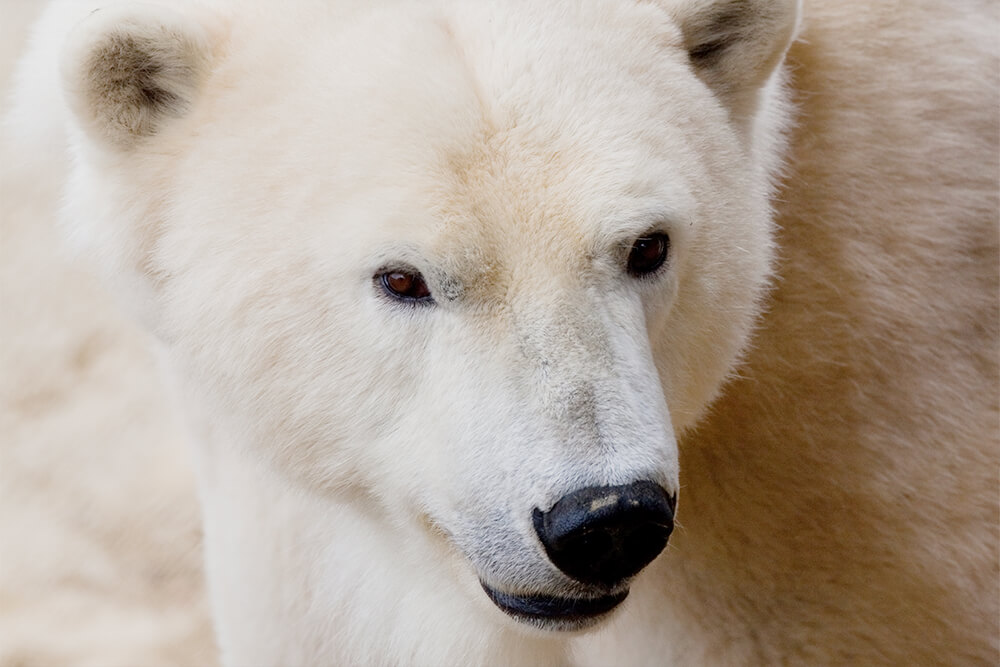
(363, 463)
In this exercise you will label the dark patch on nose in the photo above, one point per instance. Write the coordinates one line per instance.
(580, 406)
(602, 535)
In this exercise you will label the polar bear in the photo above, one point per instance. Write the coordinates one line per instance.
(446, 291)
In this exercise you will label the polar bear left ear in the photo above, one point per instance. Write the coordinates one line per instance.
(129, 69)
(735, 45)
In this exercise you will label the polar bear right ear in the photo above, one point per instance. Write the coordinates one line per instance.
(735, 45)
(129, 68)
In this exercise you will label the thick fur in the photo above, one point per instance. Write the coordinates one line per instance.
(241, 172)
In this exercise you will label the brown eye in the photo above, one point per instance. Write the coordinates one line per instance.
(406, 285)
(648, 254)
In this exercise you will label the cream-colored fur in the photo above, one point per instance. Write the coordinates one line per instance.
(100, 557)
(362, 462)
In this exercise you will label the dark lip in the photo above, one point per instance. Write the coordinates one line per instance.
(554, 613)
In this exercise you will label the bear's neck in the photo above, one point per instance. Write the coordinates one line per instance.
(298, 578)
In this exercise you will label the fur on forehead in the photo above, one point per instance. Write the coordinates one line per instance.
(473, 143)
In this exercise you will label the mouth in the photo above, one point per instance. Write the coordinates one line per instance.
(555, 613)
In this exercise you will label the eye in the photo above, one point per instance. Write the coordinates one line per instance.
(405, 285)
(648, 254)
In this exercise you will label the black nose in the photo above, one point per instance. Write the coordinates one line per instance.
(605, 534)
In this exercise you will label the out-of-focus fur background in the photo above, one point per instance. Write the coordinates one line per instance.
(100, 559)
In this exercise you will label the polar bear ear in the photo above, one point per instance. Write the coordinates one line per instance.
(129, 69)
(735, 45)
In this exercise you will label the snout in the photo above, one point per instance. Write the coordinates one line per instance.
(602, 535)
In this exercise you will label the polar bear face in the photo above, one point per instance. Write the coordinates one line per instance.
(463, 262)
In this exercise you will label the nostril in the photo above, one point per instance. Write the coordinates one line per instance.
(604, 534)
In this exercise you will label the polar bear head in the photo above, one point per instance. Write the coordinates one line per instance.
(478, 265)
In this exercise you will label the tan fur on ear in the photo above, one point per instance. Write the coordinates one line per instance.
(127, 69)
(735, 45)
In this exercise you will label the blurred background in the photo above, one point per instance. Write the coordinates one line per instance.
(100, 541)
